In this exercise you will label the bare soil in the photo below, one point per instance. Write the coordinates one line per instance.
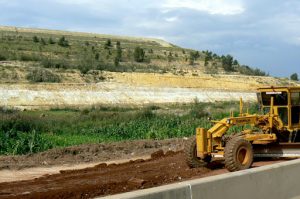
(104, 179)
(107, 179)
(91, 153)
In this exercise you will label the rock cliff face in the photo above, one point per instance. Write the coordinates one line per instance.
(61, 95)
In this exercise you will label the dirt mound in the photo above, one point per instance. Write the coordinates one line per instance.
(91, 153)
(104, 179)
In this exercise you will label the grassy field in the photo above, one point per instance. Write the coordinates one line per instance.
(50, 51)
(35, 131)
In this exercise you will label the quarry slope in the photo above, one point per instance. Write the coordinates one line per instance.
(134, 89)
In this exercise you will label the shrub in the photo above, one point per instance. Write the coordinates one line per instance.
(119, 53)
(107, 44)
(42, 75)
(2, 57)
(227, 62)
(197, 110)
(193, 57)
(83, 68)
(51, 41)
(294, 77)
(246, 70)
(47, 63)
(28, 57)
(43, 42)
(63, 42)
(97, 56)
(139, 54)
(35, 39)
(116, 61)
(54, 63)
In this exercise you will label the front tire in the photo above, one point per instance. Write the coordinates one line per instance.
(190, 151)
(238, 154)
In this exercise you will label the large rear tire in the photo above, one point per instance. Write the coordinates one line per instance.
(190, 151)
(238, 154)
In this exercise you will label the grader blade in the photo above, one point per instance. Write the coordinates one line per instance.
(277, 150)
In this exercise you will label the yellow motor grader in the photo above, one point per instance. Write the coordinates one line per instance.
(273, 133)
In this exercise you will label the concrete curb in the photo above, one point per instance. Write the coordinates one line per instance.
(277, 181)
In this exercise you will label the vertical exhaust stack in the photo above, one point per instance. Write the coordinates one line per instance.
(201, 141)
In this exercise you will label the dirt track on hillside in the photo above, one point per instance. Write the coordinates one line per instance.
(103, 179)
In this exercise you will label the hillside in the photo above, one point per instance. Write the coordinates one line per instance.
(36, 55)
(45, 68)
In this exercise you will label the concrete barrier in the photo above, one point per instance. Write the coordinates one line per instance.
(277, 181)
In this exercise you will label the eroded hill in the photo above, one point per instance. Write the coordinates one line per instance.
(46, 68)
(35, 54)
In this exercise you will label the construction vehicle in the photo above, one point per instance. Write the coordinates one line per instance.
(273, 133)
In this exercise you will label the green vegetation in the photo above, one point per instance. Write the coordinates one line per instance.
(139, 54)
(35, 39)
(42, 75)
(34, 131)
(294, 77)
(63, 42)
(193, 57)
(227, 63)
(117, 54)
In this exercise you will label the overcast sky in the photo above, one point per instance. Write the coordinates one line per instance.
(259, 33)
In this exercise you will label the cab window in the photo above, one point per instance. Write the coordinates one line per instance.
(283, 115)
(295, 98)
(280, 98)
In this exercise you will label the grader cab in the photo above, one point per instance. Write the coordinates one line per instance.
(273, 133)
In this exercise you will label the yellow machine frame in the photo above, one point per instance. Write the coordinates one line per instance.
(209, 142)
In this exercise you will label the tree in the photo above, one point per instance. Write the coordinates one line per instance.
(294, 77)
(35, 39)
(51, 41)
(63, 42)
(116, 61)
(208, 55)
(119, 52)
(139, 54)
(227, 62)
(193, 57)
(170, 57)
(118, 44)
(206, 59)
(215, 56)
(2, 58)
(107, 44)
(235, 63)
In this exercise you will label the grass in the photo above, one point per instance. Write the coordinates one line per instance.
(34, 131)
(42, 75)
